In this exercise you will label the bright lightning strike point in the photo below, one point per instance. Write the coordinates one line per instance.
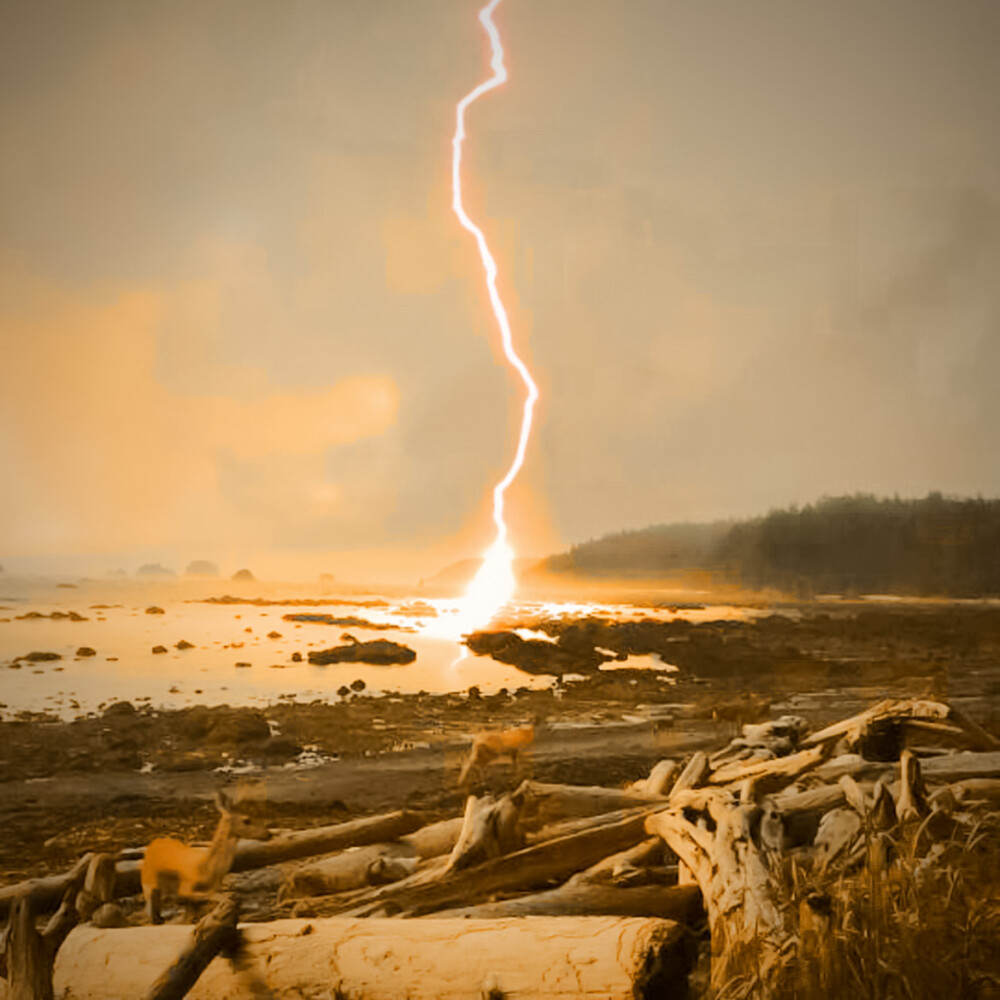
(493, 585)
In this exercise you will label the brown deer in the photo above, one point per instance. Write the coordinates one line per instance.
(192, 874)
(492, 744)
(738, 711)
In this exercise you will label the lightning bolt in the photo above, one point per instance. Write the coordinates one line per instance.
(493, 585)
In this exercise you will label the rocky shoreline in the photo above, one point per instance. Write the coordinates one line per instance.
(118, 778)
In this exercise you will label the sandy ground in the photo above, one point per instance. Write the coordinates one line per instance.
(119, 779)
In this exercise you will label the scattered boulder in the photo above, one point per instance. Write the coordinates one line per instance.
(86, 651)
(243, 575)
(378, 651)
(40, 657)
(184, 644)
(296, 657)
(273, 635)
(154, 610)
(358, 685)
(343, 690)
(243, 663)
(159, 649)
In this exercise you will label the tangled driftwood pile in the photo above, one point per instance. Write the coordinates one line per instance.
(553, 890)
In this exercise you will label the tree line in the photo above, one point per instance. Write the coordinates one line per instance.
(852, 544)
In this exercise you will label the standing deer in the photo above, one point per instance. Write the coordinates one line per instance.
(490, 745)
(192, 874)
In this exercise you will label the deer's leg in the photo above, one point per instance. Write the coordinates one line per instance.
(153, 899)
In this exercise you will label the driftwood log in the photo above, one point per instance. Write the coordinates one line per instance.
(551, 860)
(28, 955)
(216, 932)
(674, 902)
(733, 871)
(45, 893)
(324, 840)
(531, 958)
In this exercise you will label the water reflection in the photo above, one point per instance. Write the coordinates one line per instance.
(251, 654)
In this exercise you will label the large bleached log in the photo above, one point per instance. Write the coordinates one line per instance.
(374, 864)
(325, 839)
(551, 860)
(531, 958)
(674, 902)
(545, 804)
(693, 775)
(611, 869)
(948, 767)
(569, 826)
(745, 913)
(971, 789)
(45, 894)
(435, 839)
(490, 828)
(27, 955)
(906, 710)
(772, 774)
(661, 779)
(27, 958)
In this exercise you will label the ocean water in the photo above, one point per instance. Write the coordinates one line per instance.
(235, 655)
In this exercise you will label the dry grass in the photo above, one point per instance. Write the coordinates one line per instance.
(917, 919)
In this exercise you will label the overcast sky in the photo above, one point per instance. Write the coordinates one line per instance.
(751, 252)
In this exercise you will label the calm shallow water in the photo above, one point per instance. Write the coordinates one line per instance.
(224, 635)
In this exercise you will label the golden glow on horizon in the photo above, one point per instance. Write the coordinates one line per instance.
(493, 585)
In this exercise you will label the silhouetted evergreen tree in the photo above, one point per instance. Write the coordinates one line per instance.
(852, 544)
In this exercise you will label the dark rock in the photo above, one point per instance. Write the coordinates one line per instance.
(273, 635)
(86, 651)
(109, 915)
(40, 657)
(535, 656)
(358, 685)
(120, 709)
(184, 644)
(378, 651)
(326, 619)
(243, 663)
(159, 649)
(296, 657)
(343, 690)
(474, 693)
(243, 574)
(154, 610)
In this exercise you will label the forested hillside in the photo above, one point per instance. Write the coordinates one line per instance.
(860, 544)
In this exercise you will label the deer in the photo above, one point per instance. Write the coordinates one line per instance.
(193, 874)
(492, 744)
